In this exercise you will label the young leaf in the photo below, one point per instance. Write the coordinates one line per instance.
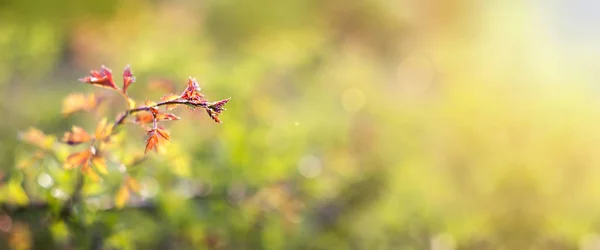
(151, 141)
(87, 170)
(104, 78)
(213, 115)
(218, 106)
(144, 118)
(37, 138)
(79, 102)
(215, 109)
(121, 197)
(100, 164)
(78, 135)
(103, 130)
(128, 78)
(166, 117)
(152, 106)
(170, 97)
(147, 117)
(164, 134)
(192, 92)
(77, 159)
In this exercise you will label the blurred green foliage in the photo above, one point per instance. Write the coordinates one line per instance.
(361, 124)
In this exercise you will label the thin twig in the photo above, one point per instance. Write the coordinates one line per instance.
(122, 118)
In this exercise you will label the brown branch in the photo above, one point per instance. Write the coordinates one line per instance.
(122, 118)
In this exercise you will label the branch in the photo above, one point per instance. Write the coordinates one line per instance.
(122, 118)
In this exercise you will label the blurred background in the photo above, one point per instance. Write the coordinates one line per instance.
(364, 124)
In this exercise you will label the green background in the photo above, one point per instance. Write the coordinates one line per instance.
(363, 124)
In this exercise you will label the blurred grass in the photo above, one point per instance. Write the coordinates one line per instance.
(353, 125)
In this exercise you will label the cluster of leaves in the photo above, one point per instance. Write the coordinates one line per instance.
(92, 159)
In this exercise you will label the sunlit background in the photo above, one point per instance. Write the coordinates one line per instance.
(363, 124)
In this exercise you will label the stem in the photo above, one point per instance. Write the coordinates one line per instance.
(122, 118)
(155, 123)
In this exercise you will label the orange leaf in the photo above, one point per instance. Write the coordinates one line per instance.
(128, 78)
(77, 159)
(164, 134)
(103, 130)
(122, 197)
(167, 117)
(100, 164)
(144, 118)
(104, 78)
(86, 169)
(37, 138)
(78, 135)
(132, 184)
(73, 103)
(79, 102)
(151, 141)
(170, 97)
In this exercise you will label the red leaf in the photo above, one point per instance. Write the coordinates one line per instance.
(128, 78)
(192, 92)
(215, 109)
(104, 78)
(152, 141)
(218, 106)
(214, 115)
